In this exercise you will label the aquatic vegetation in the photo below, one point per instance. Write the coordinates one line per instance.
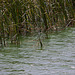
(23, 17)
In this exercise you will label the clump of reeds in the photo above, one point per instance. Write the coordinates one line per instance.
(22, 17)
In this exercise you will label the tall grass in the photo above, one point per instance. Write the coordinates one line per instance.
(22, 17)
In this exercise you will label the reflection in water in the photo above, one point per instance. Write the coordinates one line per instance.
(56, 58)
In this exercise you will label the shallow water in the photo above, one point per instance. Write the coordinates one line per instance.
(56, 58)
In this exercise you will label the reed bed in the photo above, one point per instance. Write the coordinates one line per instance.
(23, 17)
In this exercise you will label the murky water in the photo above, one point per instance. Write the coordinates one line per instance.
(56, 58)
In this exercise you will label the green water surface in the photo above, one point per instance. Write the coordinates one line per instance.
(56, 58)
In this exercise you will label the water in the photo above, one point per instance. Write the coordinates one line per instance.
(56, 58)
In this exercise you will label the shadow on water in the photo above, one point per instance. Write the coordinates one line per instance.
(57, 57)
